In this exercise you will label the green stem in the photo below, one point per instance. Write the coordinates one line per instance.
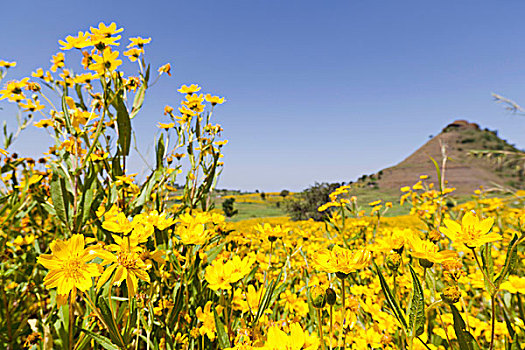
(343, 311)
(319, 317)
(493, 302)
(331, 325)
(70, 328)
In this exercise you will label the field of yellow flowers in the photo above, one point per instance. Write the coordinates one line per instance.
(94, 259)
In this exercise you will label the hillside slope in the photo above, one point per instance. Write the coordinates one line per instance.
(463, 171)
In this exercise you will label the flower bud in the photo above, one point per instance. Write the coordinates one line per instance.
(318, 297)
(451, 294)
(341, 275)
(331, 297)
(425, 263)
(393, 260)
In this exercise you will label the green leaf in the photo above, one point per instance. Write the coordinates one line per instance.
(265, 302)
(138, 100)
(59, 196)
(145, 192)
(391, 300)
(511, 261)
(160, 151)
(465, 339)
(107, 316)
(132, 321)
(212, 253)
(488, 266)
(124, 125)
(67, 117)
(101, 340)
(222, 336)
(78, 89)
(416, 318)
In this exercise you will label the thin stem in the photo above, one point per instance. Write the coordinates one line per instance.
(319, 317)
(331, 325)
(493, 302)
(70, 328)
(343, 311)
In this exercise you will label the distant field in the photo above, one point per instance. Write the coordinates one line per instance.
(251, 205)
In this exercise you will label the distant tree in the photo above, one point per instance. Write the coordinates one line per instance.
(303, 206)
(284, 193)
(227, 207)
(263, 196)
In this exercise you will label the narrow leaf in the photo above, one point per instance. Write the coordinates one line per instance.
(59, 198)
(110, 322)
(416, 318)
(511, 261)
(101, 340)
(465, 339)
(391, 300)
(124, 125)
(222, 336)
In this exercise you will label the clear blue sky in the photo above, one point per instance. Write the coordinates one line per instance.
(316, 90)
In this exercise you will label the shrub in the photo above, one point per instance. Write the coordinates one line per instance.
(304, 205)
(227, 207)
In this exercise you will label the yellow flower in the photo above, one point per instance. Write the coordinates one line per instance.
(214, 100)
(80, 41)
(341, 260)
(208, 320)
(32, 106)
(298, 339)
(108, 61)
(138, 41)
(118, 223)
(126, 264)
(192, 229)
(189, 89)
(103, 35)
(68, 265)
(272, 233)
(165, 69)
(185, 111)
(472, 232)
(427, 250)
(240, 268)
(6, 64)
(514, 285)
(13, 90)
(133, 54)
(374, 203)
(38, 74)
(58, 61)
(165, 126)
(218, 275)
